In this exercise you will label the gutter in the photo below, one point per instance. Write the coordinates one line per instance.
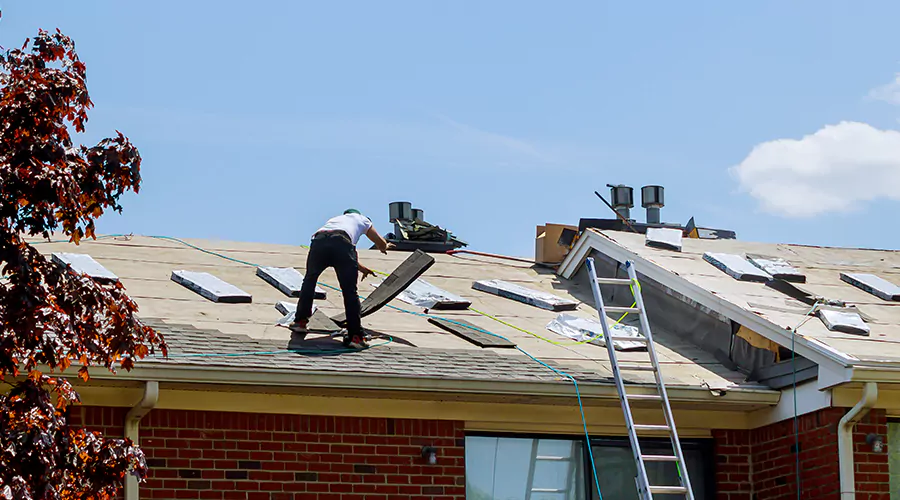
(132, 423)
(167, 372)
(845, 439)
(812, 350)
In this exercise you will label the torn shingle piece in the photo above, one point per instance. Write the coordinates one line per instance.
(582, 329)
(737, 267)
(290, 312)
(663, 237)
(875, 285)
(471, 333)
(528, 296)
(843, 321)
(423, 294)
(779, 268)
(285, 307)
(84, 263)
(211, 287)
(286, 279)
(408, 271)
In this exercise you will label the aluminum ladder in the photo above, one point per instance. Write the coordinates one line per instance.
(571, 472)
(645, 489)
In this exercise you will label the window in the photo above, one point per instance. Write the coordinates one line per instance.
(616, 468)
(548, 468)
(893, 449)
(507, 468)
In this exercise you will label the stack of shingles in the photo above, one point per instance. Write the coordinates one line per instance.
(777, 272)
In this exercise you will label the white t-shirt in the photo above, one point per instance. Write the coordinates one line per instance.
(355, 225)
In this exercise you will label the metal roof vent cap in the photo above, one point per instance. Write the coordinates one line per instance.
(652, 200)
(622, 199)
(401, 210)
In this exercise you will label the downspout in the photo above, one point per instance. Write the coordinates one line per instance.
(845, 439)
(132, 424)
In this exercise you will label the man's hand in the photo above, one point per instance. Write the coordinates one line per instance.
(380, 243)
(365, 271)
(389, 246)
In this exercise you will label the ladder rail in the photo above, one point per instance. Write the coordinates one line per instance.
(641, 479)
(681, 464)
(531, 466)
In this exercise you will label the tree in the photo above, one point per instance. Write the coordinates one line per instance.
(51, 316)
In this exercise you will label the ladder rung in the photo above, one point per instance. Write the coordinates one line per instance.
(659, 458)
(547, 490)
(628, 339)
(555, 459)
(645, 397)
(670, 490)
(650, 427)
(613, 281)
(616, 309)
(637, 368)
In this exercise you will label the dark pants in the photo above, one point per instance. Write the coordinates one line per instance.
(332, 250)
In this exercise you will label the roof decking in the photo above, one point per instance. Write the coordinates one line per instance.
(144, 266)
(822, 267)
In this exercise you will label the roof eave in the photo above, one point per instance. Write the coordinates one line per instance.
(738, 396)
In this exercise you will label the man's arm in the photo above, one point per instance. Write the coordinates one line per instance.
(379, 242)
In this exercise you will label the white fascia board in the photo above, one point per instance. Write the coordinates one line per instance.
(809, 399)
(816, 352)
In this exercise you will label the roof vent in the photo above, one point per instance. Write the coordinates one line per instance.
(622, 199)
(400, 210)
(412, 232)
(652, 200)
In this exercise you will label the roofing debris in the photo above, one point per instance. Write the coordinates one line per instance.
(661, 237)
(286, 279)
(737, 267)
(525, 295)
(420, 234)
(875, 285)
(471, 333)
(423, 294)
(211, 287)
(583, 329)
(84, 263)
(285, 307)
(845, 321)
(779, 268)
(408, 271)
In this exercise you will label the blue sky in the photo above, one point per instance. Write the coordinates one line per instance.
(259, 120)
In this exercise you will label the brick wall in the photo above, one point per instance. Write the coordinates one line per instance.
(240, 456)
(760, 464)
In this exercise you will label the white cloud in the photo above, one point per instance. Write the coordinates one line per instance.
(888, 93)
(833, 170)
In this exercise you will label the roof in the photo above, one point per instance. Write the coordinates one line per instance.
(767, 311)
(206, 335)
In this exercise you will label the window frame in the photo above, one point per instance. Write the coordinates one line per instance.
(586, 464)
(705, 445)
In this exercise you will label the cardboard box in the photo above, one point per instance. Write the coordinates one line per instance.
(546, 247)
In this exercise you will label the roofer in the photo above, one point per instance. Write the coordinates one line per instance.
(334, 245)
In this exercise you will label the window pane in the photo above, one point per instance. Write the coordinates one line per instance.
(893, 447)
(512, 468)
(616, 470)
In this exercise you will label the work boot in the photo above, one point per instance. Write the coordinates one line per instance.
(356, 341)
